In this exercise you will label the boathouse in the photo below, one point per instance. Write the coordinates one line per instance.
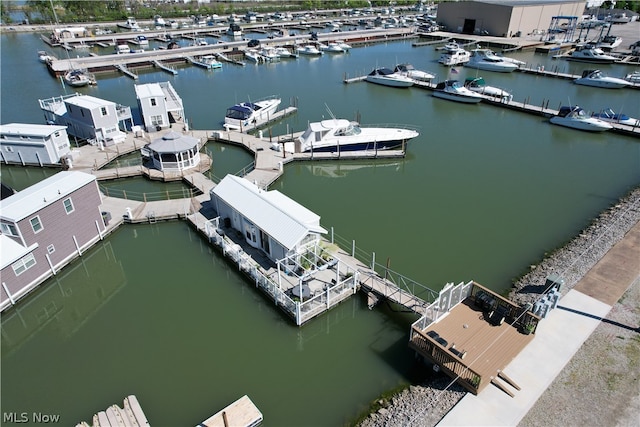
(159, 105)
(98, 121)
(268, 220)
(173, 152)
(31, 144)
(505, 18)
(43, 228)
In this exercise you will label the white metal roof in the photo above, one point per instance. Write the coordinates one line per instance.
(149, 90)
(28, 129)
(11, 251)
(280, 217)
(88, 101)
(24, 203)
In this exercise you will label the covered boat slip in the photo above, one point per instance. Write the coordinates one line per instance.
(472, 334)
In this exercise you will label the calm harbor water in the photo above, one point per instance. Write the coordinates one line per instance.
(154, 311)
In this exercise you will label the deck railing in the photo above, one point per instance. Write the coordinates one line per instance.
(300, 311)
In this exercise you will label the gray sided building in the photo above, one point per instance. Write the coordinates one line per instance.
(159, 105)
(29, 144)
(43, 228)
(505, 18)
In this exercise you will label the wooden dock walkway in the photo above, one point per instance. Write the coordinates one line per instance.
(130, 415)
(241, 413)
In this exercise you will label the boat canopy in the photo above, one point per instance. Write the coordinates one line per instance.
(381, 72)
(241, 111)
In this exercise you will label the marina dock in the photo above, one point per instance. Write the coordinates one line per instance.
(241, 413)
(130, 415)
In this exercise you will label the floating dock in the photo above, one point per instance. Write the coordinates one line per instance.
(123, 69)
(241, 413)
(130, 415)
(165, 68)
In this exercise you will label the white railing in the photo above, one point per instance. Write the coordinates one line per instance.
(300, 311)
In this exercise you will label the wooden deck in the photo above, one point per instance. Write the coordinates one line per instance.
(468, 346)
(241, 413)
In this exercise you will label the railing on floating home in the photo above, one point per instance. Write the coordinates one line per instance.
(451, 363)
(300, 310)
(184, 193)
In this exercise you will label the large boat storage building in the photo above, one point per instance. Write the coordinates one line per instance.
(506, 18)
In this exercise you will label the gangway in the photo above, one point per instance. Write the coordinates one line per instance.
(158, 64)
(123, 69)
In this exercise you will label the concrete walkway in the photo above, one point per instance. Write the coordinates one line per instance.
(558, 337)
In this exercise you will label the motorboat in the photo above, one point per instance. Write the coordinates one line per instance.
(451, 46)
(122, 47)
(454, 91)
(345, 46)
(608, 115)
(44, 56)
(207, 61)
(454, 57)
(487, 60)
(633, 77)
(309, 49)
(332, 47)
(159, 21)
(130, 24)
(141, 40)
(590, 53)
(598, 79)
(269, 54)
(79, 78)
(250, 113)
(283, 52)
(333, 135)
(610, 42)
(575, 117)
(252, 55)
(478, 85)
(408, 70)
(234, 30)
(387, 77)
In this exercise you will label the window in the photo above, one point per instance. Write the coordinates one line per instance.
(9, 229)
(153, 102)
(56, 134)
(9, 149)
(156, 120)
(51, 249)
(68, 205)
(36, 224)
(23, 264)
(103, 111)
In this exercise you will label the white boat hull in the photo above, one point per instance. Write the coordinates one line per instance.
(587, 124)
(260, 115)
(605, 82)
(390, 81)
(465, 98)
(500, 67)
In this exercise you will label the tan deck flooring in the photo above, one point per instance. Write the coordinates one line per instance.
(489, 348)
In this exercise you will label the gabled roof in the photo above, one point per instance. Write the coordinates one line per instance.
(280, 217)
(32, 199)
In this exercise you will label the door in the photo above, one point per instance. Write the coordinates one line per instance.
(469, 26)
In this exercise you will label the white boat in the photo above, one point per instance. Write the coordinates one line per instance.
(345, 46)
(44, 56)
(269, 54)
(209, 62)
(283, 52)
(234, 30)
(598, 79)
(387, 77)
(253, 55)
(251, 113)
(609, 42)
(408, 70)
(141, 40)
(575, 117)
(343, 135)
(454, 91)
(130, 24)
(332, 47)
(158, 21)
(608, 115)
(79, 78)
(618, 18)
(478, 85)
(590, 53)
(454, 57)
(633, 77)
(487, 60)
(309, 49)
(123, 48)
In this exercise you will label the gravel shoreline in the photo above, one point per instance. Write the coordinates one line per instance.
(427, 403)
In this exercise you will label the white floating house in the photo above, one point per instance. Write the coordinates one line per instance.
(29, 144)
(86, 117)
(268, 220)
(159, 105)
(173, 152)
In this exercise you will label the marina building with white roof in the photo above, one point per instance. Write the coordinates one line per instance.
(34, 144)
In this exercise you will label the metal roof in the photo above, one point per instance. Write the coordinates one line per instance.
(32, 199)
(149, 90)
(173, 142)
(88, 101)
(11, 251)
(29, 129)
(280, 217)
